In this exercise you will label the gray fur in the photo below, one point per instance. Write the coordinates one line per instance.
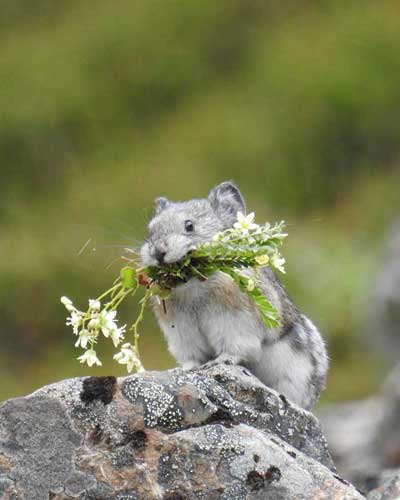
(161, 203)
(212, 322)
(226, 201)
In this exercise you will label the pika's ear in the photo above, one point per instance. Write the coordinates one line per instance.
(227, 201)
(160, 204)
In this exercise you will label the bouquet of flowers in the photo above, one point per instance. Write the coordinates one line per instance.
(246, 246)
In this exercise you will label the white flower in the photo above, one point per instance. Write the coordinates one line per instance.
(278, 262)
(84, 338)
(250, 284)
(75, 320)
(127, 356)
(90, 357)
(245, 222)
(94, 305)
(117, 335)
(262, 260)
(107, 322)
(94, 323)
(67, 303)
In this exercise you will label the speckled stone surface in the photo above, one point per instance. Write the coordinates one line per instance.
(174, 435)
(390, 490)
(364, 436)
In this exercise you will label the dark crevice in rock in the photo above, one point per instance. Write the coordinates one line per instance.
(273, 474)
(222, 417)
(95, 435)
(137, 439)
(98, 389)
(174, 496)
(284, 400)
(341, 479)
(257, 481)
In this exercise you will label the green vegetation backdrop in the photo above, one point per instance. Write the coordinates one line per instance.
(106, 105)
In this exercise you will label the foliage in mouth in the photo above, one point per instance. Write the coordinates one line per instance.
(245, 246)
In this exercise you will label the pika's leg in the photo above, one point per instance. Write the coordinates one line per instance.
(234, 336)
(223, 359)
(189, 365)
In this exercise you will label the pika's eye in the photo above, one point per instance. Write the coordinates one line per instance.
(189, 226)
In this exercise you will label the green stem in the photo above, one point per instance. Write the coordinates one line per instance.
(196, 271)
(109, 291)
(121, 296)
(135, 325)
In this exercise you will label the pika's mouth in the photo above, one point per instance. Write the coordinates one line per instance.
(169, 276)
(170, 258)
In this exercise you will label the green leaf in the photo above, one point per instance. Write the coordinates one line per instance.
(268, 312)
(129, 277)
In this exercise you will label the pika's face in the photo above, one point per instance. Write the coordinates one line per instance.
(178, 228)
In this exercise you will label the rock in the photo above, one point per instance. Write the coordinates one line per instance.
(364, 436)
(383, 319)
(390, 490)
(351, 430)
(174, 435)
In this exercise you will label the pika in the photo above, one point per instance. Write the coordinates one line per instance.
(210, 322)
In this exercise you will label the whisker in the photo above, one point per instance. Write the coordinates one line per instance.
(84, 246)
(112, 246)
(125, 224)
(105, 230)
(317, 220)
(147, 215)
(112, 263)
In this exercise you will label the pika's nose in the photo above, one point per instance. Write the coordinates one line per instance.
(159, 255)
(160, 250)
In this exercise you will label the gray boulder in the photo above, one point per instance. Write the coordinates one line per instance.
(364, 436)
(389, 490)
(173, 435)
(383, 320)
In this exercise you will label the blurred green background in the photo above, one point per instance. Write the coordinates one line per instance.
(106, 105)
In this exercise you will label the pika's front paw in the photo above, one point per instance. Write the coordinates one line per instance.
(190, 365)
(224, 359)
